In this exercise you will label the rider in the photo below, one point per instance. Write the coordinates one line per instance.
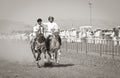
(38, 28)
(52, 27)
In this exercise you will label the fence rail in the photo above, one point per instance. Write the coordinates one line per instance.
(100, 46)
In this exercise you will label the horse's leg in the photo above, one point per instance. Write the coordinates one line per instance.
(48, 52)
(56, 56)
(33, 52)
(44, 54)
(52, 56)
(33, 49)
(59, 54)
(38, 57)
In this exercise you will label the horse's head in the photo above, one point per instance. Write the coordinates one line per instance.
(54, 39)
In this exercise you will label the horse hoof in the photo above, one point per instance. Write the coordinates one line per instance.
(38, 65)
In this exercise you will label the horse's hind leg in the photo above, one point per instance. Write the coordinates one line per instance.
(56, 57)
(59, 54)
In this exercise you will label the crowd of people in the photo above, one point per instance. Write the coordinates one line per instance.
(73, 35)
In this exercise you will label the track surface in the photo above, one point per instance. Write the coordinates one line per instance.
(16, 61)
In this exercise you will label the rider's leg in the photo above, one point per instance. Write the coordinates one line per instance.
(60, 41)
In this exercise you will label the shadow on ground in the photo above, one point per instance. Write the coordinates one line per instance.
(50, 64)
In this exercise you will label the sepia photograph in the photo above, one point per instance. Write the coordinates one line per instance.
(59, 38)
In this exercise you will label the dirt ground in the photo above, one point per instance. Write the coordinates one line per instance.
(16, 61)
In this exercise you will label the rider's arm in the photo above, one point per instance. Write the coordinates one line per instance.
(57, 28)
(45, 26)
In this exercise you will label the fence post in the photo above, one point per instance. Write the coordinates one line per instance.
(101, 47)
(119, 47)
(66, 45)
(113, 49)
(77, 46)
(86, 45)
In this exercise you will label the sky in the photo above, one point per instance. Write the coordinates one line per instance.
(29, 10)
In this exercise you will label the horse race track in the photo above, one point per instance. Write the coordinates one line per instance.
(16, 61)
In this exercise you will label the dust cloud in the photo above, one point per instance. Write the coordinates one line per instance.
(15, 51)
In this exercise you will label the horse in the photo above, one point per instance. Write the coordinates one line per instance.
(38, 46)
(54, 47)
